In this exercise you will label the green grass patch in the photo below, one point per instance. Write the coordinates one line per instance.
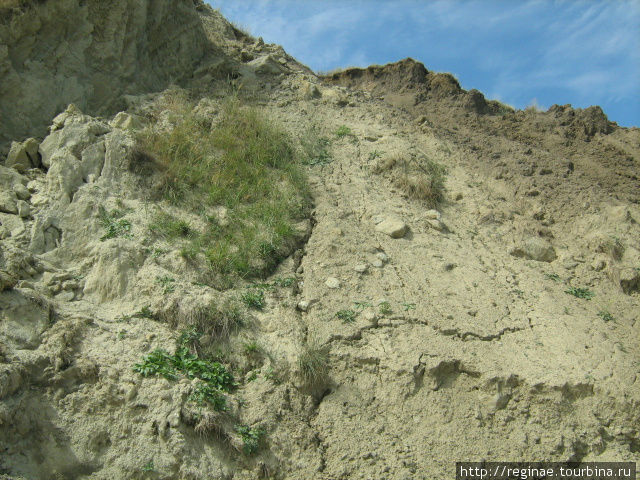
(385, 308)
(347, 316)
(114, 224)
(250, 438)
(344, 131)
(167, 283)
(583, 293)
(169, 227)
(244, 163)
(606, 316)
(253, 299)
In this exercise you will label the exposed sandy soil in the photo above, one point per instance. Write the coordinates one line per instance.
(464, 346)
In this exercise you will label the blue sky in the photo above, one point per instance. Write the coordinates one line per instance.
(521, 52)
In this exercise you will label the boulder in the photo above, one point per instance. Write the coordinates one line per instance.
(23, 156)
(267, 65)
(393, 226)
(126, 121)
(332, 282)
(535, 248)
(24, 210)
(64, 175)
(92, 160)
(8, 202)
(76, 133)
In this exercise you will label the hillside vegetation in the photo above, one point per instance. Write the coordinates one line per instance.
(216, 264)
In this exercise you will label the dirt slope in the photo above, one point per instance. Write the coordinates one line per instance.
(450, 337)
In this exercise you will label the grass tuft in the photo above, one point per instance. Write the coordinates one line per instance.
(583, 293)
(347, 316)
(114, 224)
(250, 438)
(421, 179)
(313, 363)
(254, 299)
(244, 163)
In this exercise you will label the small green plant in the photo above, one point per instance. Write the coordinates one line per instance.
(317, 151)
(408, 306)
(167, 283)
(375, 154)
(189, 338)
(284, 282)
(148, 467)
(385, 308)
(606, 316)
(362, 305)
(250, 438)
(169, 227)
(252, 376)
(566, 310)
(347, 316)
(182, 362)
(553, 276)
(344, 131)
(253, 299)
(583, 293)
(205, 393)
(158, 252)
(144, 312)
(122, 334)
(251, 347)
(271, 375)
(114, 224)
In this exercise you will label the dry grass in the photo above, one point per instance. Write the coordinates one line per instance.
(420, 179)
(313, 362)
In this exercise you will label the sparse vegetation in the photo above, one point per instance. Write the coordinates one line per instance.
(583, 293)
(205, 393)
(344, 131)
(144, 312)
(385, 308)
(421, 179)
(316, 150)
(375, 154)
(167, 283)
(251, 347)
(553, 276)
(148, 467)
(347, 316)
(182, 362)
(271, 375)
(250, 438)
(169, 227)
(362, 305)
(114, 224)
(244, 164)
(254, 299)
(606, 316)
(408, 306)
(313, 362)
